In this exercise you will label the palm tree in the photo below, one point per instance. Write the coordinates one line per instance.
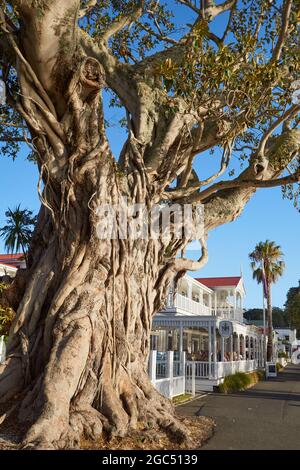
(18, 231)
(267, 266)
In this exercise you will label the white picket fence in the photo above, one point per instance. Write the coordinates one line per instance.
(167, 375)
(228, 368)
(175, 377)
(201, 369)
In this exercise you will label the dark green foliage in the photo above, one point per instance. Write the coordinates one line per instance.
(292, 308)
(18, 230)
(280, 319)
(270, 255)
(283, 354)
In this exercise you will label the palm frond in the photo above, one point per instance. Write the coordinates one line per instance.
(267, 255)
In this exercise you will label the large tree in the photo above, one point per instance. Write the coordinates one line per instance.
(279, 317)
(292, 308)
(267, 266)
(77, 356)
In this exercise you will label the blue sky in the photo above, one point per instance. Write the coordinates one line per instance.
(266, 216)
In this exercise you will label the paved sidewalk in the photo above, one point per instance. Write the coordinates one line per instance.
(266, 416)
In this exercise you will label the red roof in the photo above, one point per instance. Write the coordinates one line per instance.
(14, 260)
(11, 256)
(219, 281)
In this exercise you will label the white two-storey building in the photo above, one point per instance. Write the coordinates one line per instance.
(202, 333)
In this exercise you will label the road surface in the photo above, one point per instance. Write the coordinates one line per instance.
(266, 416)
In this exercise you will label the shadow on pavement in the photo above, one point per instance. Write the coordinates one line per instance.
(292, 374)
(264, 394)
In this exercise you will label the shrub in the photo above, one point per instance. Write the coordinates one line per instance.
(6, 314)
(6, 318)
(283, 354)
(260, 374)
(240, 381)
(279, 367)
(3, 287)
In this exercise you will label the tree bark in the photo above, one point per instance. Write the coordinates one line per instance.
(78, 349)
(83, 328)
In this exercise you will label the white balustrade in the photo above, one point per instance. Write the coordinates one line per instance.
(171, 388)
(173, 378)
(176, 368)
(201, 369)
(191, 306)
(229, 313)
(222, 368)
(166, 374)
(161, 369)
(232, 367)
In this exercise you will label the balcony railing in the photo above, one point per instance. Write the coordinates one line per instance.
(188, 305)
(229, 313)
(204, 370)
(197, 308)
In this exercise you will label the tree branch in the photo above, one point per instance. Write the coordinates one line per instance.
(190, 5)
(193, 187)
(287, 8)
(14, 139)
(209, 9)
(214, 10)
(294, 178)
(123, 21)
(289, 113)
(232, 10)
(159, 36)
(179, 50)
(87, 8)
(288, 142)
(185, 264)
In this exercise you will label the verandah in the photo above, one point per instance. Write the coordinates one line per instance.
(189, 344)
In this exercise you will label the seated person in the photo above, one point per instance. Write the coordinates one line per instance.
(203, 356)
(227, 357)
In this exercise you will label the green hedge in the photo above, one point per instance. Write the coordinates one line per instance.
(283, 354)
(240, 381)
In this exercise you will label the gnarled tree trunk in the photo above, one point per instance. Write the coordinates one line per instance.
(77, 356)
(80, 340)
(84, 324)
